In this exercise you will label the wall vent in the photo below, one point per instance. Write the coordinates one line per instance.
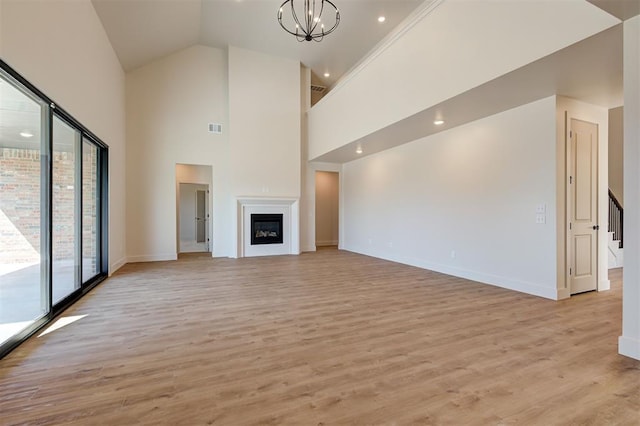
(316, 88)
(215, 128)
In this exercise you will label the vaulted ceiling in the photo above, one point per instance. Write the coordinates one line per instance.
(144, 30)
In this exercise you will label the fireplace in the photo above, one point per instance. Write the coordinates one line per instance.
(266, 229)
(278, 236)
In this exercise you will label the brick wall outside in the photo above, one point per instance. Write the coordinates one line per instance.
(63, 205)
(20, 203)
(89, 208)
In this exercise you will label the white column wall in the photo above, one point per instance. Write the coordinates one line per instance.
(307, 191)
(264, 115)
(265, 132)
(629, 342)
(616, 153)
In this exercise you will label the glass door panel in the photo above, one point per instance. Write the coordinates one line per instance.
(90, 208)
(23, 284)
(65, 202)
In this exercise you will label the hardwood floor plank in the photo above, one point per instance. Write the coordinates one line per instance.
(323, 338)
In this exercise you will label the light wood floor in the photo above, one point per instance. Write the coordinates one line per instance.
(322, 339)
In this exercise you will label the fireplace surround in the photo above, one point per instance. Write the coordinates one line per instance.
(268, 211)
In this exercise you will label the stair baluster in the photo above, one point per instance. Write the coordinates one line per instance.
(616, 218)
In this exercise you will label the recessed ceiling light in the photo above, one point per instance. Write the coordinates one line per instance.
(438, 122)
(326, 74)
(359, 150)
(26, 134)
(381, 19)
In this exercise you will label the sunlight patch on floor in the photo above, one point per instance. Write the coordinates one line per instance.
(61, 322)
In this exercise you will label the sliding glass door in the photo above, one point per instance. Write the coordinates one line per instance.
(23, 165)
(65, 197)
(53, 225)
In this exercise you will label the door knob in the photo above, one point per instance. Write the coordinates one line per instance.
(596, 227)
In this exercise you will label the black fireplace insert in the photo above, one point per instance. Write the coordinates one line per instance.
(266, 229)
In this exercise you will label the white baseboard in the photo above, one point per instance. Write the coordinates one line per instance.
(152, 258)
(308, 248)
(563, 293)
(604, 285)
(117, 265)
(534, 289)
(628, 346)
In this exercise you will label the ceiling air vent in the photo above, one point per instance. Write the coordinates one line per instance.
(319, 89)
(215, 128)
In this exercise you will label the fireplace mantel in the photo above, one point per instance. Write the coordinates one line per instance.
(287, 206)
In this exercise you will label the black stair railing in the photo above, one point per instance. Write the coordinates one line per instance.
(616, 218)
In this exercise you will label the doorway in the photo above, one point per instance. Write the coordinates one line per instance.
(583, 206)
(194, 205)
(327, 208)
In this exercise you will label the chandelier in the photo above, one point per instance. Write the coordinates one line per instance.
(309, 19)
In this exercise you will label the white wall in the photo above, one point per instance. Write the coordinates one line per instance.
(1, 35)
(264, 115)
(616, 150)
(471, 190)
(265, 124)
(307, 188)
(169, 105)
(62, 49)
(629, 342)
(327, 205)
(430, 62)
(190, 173)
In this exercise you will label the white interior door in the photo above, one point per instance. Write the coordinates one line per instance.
(201, 216)
(194, 218)
(583, 206)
